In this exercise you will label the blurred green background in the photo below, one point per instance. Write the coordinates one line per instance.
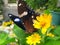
(12, 1)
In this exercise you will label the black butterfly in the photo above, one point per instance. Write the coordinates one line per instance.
(27, 15)
(17, 21)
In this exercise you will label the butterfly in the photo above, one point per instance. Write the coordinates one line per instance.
(27, 15)
(17, 21)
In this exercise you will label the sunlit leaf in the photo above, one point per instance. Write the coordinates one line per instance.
(21, 35)
(3, 37)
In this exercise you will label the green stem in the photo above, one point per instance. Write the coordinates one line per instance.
(43, 39)
(48, 30)
(18, 42)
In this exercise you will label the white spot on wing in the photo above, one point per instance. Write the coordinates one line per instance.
(23, 14)
(10, 15)
(20, 4)
(22, 23)
(17, 19)
(32, 16)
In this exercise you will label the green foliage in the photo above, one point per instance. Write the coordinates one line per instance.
(52, 4)
(8, 40)
(57, 9)
(57, 31)
(12, 1)
(36, 4)
(21, 35)
(47, 11)
(4, 39)
(48, 4)
(52, 42)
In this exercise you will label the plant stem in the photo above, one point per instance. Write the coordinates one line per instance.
(43, 39)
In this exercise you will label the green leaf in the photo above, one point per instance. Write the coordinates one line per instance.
(47, 11)
(57, 31)
(52, 38)
(21, 35)
(9, 40)
(52, 42)
(56, 38)
(3, 37)
(19, 32)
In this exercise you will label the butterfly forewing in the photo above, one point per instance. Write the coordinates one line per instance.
(17, 21)
(27, 15)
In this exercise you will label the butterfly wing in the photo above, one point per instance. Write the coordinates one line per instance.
(17, 21)
(27, 15)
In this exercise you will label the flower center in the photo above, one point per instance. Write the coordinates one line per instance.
(43, 24)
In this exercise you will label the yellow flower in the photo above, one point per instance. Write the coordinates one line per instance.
(7, 23)
(44, 30)
(50, 35)
(33, 39)
(11, 21)
(36, 24)
(43, 22)
(4, 24)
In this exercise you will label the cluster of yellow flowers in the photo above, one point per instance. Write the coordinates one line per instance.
(33, 39)
(50, 35)
(43, 22)
(7, 23)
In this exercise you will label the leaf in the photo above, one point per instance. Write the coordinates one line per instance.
(47, 11)
(19, 32)
(52, 38)
(57, 31)
(9, 40)
(56, 39)
(52, 42)
(3, 37)
(21, 35)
